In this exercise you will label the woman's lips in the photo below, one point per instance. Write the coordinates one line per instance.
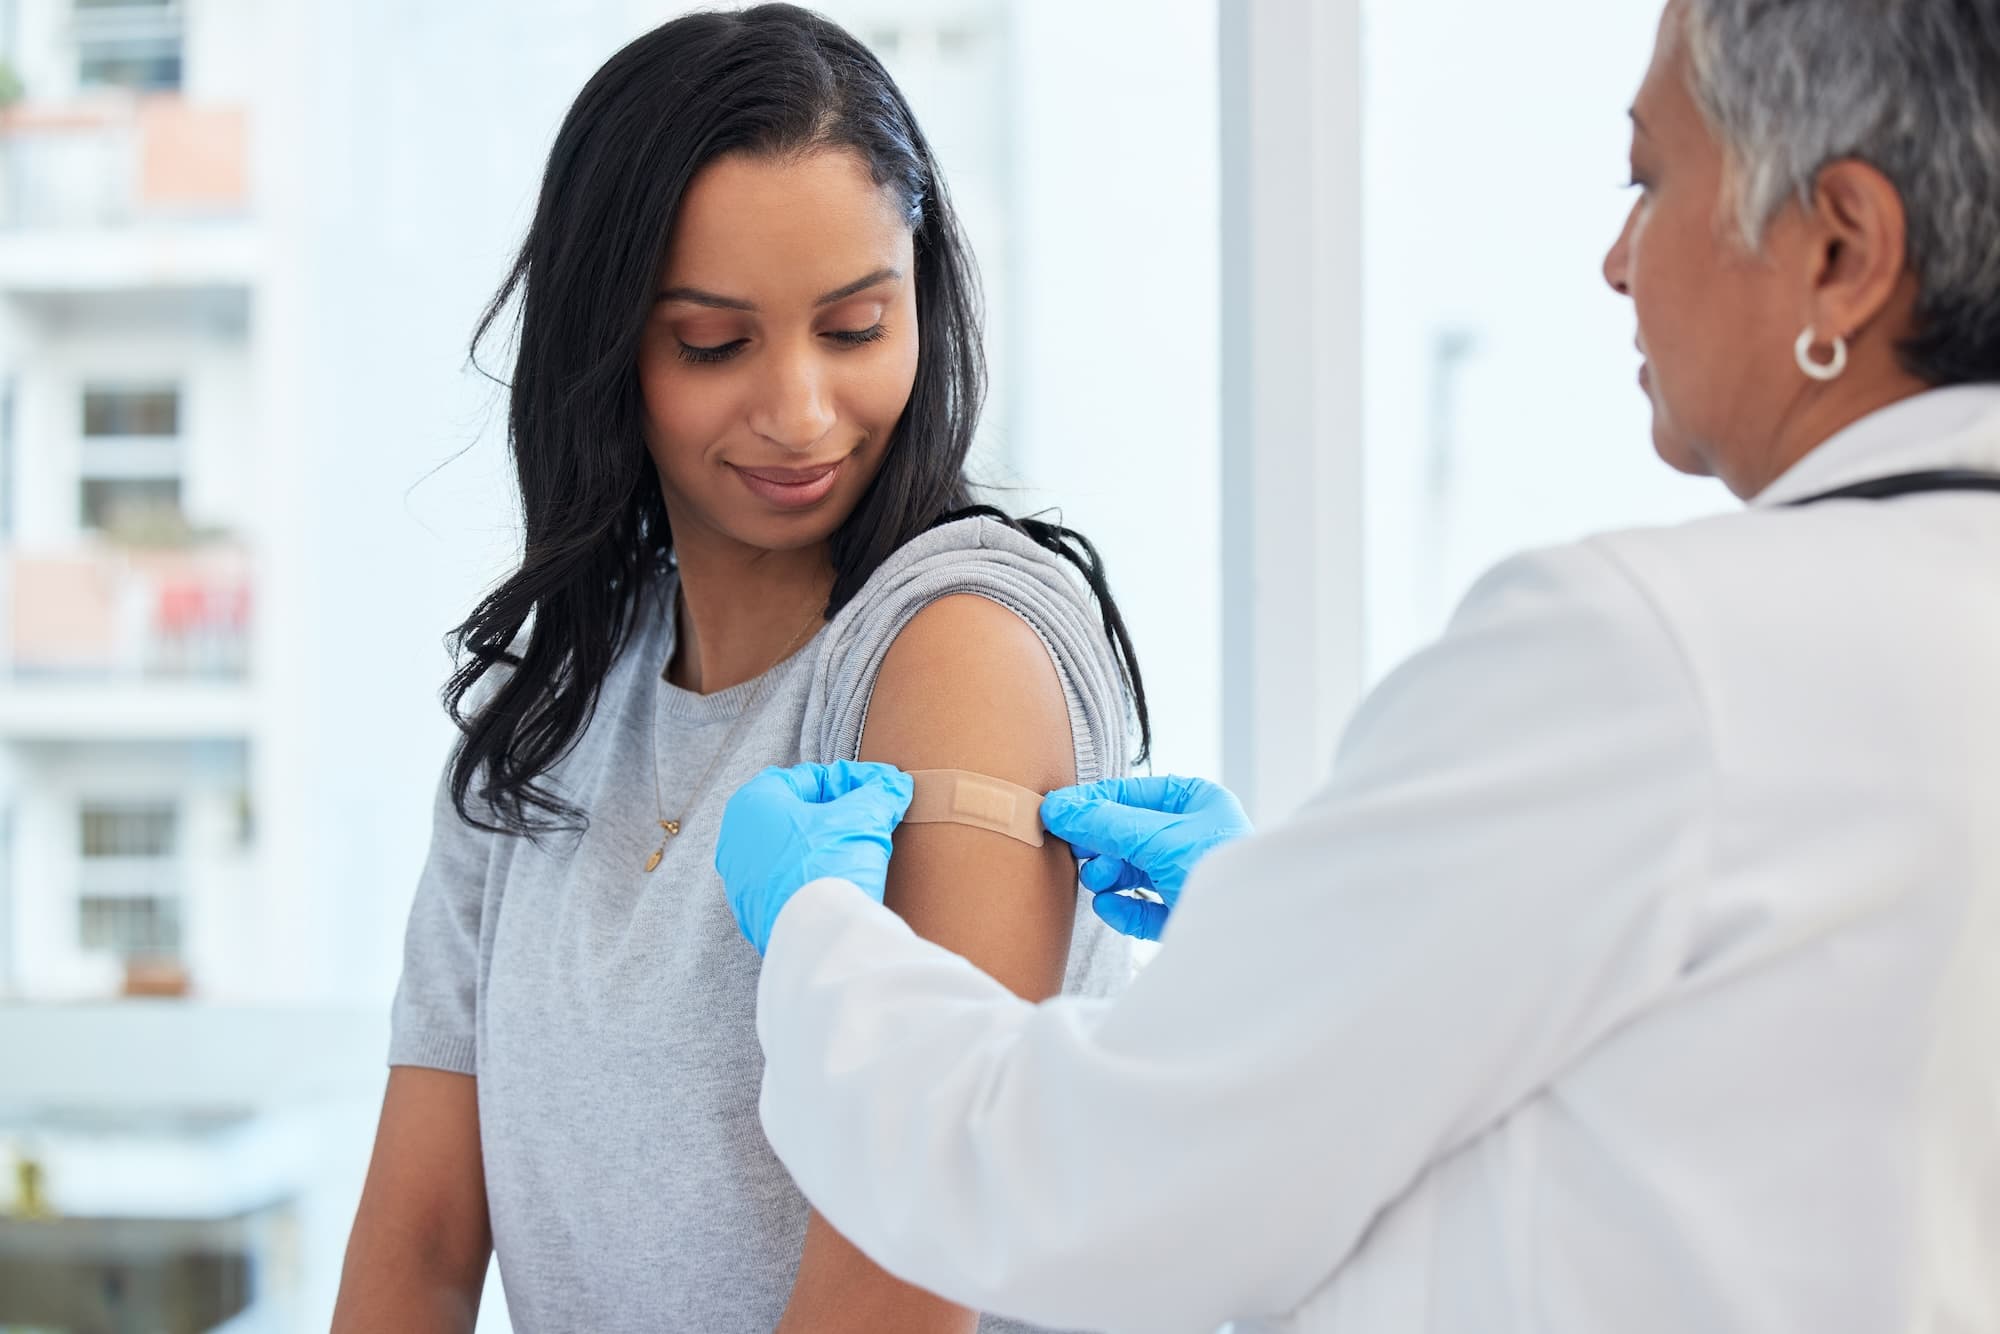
(791, 488)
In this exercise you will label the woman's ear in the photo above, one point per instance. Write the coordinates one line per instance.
(1861, 248)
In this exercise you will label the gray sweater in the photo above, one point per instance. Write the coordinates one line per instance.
(608, 1014)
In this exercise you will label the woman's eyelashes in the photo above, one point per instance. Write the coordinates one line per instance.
(718, 352)
(858, 337)
(714, 352)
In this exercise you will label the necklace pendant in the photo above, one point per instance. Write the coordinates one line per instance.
(672, 827)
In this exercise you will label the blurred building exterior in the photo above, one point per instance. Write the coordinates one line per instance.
(129, 505)
(131, 516)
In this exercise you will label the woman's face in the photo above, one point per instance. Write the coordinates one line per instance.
(1716, 322)
(781, 349)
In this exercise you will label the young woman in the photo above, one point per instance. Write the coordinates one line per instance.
(747, 378)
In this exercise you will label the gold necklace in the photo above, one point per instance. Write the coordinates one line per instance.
(670, 829)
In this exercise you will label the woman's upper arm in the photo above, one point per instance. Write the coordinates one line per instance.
(422, 1237)
(969, 685)
(966, 685)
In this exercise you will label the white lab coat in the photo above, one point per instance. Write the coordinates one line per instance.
(1637, 970)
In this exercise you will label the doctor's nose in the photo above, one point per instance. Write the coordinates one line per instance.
(1618, 260)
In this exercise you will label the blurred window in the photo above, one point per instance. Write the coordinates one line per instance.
(129, 899)
(121, 504)
(119, 411)
(128, 830)
(132, 44)
(130, 469)
(143, 925)
(1501, 407)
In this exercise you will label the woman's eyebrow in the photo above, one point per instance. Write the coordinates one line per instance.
(695, 296)
(859, 285)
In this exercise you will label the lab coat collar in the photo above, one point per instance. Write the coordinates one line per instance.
(1956, 427)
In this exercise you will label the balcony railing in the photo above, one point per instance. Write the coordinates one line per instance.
(128, 613)
(116, 160)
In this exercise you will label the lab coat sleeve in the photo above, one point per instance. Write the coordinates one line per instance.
(1500, 872)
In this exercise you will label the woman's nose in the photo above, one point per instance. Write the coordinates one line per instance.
(1617, 260)
(794, 410)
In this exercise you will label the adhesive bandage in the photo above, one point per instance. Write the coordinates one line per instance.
(958, 796)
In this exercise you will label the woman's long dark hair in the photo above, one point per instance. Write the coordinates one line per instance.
(769, 80)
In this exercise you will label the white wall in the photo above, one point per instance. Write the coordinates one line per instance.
(44, 54)
(221, 44)
(14, 339)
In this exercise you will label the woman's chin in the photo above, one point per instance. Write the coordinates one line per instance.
(749, 523)
(1676, 452)
(777, 529)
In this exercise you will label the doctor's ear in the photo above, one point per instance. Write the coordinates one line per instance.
(1859, 269)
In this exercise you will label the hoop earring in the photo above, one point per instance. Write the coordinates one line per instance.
(1821, 371)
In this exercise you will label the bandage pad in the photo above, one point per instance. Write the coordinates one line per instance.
(958, 796)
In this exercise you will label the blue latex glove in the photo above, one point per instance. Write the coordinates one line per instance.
(786, 828)
(1142, 834)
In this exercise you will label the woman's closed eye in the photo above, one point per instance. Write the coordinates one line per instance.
(716, 352)
(875, 333)
(707, 354)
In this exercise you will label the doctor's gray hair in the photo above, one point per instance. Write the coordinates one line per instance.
(1911, 87)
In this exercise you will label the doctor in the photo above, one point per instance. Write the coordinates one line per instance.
(1639, 967)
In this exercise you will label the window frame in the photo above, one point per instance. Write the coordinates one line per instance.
(1292, 548)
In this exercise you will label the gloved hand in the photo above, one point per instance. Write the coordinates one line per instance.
(1142, 834)
(786, 828)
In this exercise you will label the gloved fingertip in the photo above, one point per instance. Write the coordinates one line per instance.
(1109, 872)
(1067, 817)
(1080, 794)
(1137, 918)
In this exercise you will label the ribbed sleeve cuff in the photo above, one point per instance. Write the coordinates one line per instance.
(433, 1049)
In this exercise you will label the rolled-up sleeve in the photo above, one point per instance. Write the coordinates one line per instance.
(433, 1020)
